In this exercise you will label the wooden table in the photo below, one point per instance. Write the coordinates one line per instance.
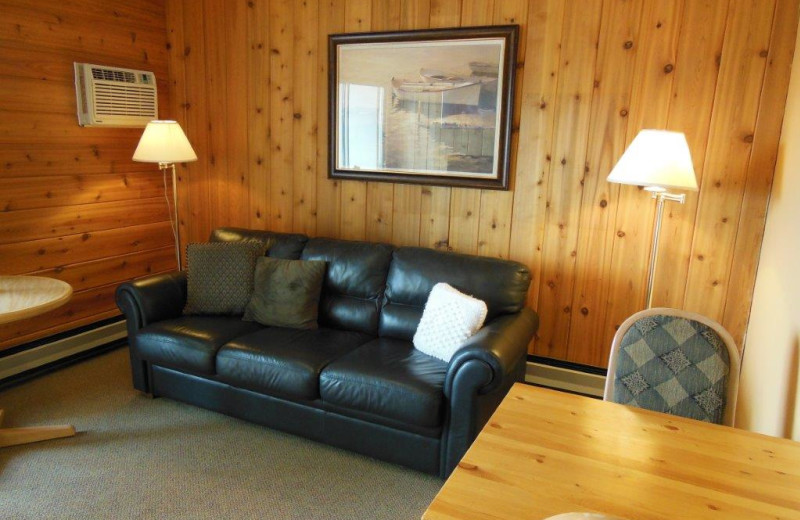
(24, 297)
(545, 452)
(27, 296)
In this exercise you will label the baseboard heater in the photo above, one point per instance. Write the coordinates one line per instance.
(60, 349)
(565, 376)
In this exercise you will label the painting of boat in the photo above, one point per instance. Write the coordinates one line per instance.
(464, 92)
(439, 75)
(452, 113)
(423, 110)
(481, 73)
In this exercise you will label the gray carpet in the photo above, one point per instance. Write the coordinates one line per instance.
(136, 457)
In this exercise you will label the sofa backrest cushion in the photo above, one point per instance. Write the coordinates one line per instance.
(355, 278)
(502, 284)
(281, 245)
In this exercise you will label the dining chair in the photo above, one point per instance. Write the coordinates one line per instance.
(677, 362)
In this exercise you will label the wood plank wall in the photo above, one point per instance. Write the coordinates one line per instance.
(73, 205)
(250, 84)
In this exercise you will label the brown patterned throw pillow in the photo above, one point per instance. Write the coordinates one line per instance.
(286, 293)
(220, 276)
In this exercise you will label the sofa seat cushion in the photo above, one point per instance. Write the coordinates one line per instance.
(390, 378)
(284, 362)
(189, 343)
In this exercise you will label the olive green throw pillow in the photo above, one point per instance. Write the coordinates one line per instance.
(220, 276)
(286, 293)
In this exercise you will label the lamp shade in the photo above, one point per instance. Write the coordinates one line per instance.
(657, 160)
(164, 142)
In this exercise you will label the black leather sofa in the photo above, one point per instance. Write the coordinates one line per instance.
(356, 382)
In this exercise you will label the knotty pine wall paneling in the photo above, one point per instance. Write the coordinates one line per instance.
(177, 86)
(494, 218)
(73, 205)
(281, 81)
(567, 168)
(590, 76)
(763, 156)
(258, 56)
(659, 33)
(613, 84)
(304, 117)
(329, 192)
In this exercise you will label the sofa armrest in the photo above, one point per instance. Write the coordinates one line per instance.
(479, 376)
(500, 345)
(151, 299)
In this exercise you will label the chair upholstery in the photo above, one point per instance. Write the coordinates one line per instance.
(675, 362)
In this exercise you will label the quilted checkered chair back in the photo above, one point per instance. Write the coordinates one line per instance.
(675, 362)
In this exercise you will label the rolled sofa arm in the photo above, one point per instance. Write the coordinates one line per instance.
(500, 345)
(150, 299)
(479, 376)
(145, 301)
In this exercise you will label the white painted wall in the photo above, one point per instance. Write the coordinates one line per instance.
(769, 395)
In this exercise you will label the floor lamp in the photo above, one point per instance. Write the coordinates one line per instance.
(659, 161)
(164, 142)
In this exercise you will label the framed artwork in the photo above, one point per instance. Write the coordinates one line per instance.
(424, 107)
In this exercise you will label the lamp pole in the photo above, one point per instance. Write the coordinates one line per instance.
(658, 160)
(660, 197)
(164, 142)
(174, 222)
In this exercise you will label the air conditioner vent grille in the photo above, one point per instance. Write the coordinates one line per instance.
(131, 100)
(113, 75)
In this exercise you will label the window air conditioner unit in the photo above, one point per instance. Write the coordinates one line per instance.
(110, 96)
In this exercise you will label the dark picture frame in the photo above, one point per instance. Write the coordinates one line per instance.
(424, 107)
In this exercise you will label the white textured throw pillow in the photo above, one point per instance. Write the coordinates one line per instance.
(450, 318)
